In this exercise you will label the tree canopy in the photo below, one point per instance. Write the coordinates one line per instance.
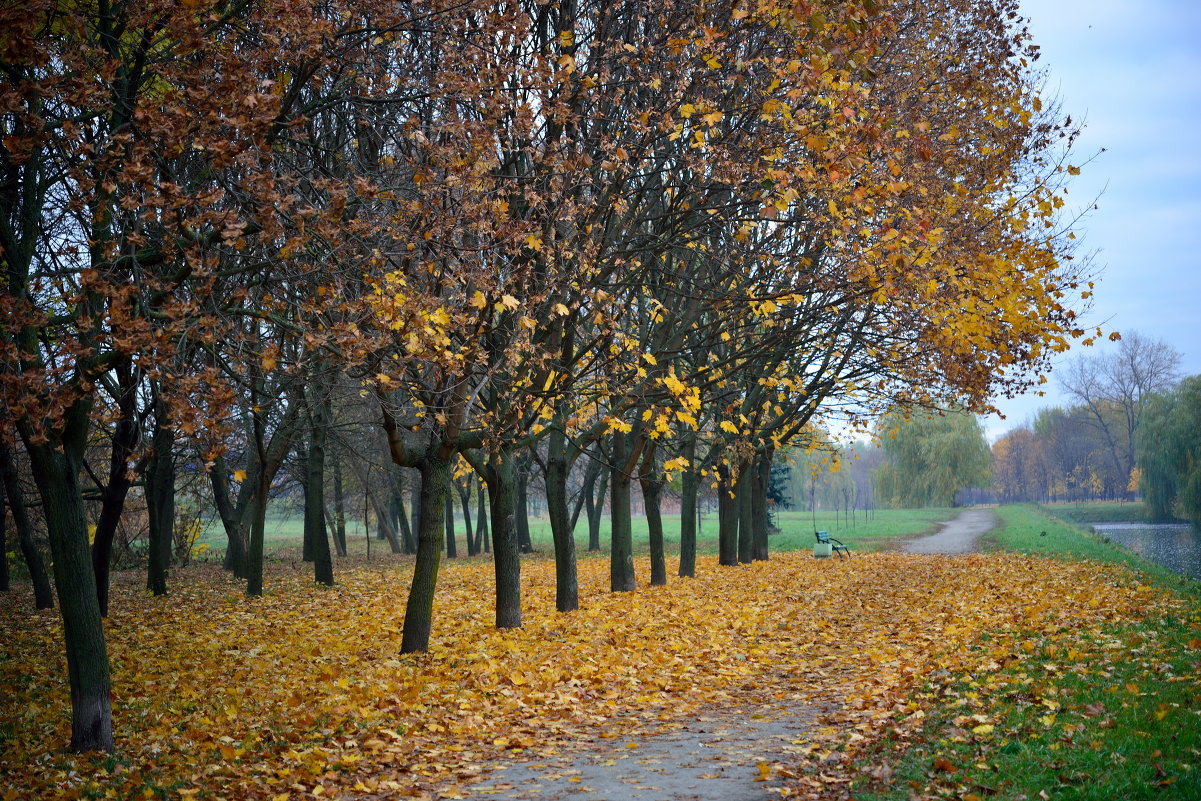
(668, 238)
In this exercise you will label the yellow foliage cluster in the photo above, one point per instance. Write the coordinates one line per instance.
(303, 694)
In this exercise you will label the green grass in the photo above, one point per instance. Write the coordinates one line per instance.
(877, 530)
(1099, 512)
(1108, 713)
(1095, 715)
(1031, 529)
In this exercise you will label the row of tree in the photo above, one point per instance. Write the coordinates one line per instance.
(623, 241)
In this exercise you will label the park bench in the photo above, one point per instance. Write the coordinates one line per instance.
(825, 544)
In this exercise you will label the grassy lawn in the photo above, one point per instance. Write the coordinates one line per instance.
(1099, 512)
(864, 531)
(1103, 712)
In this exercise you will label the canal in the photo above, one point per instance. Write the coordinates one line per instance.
(1176, 546)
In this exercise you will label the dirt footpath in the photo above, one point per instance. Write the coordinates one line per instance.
(961, 535)
(723, 756)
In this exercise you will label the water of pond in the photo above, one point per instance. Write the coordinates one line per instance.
(1175, 546)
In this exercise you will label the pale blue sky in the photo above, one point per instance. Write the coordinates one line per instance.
(1132, 71)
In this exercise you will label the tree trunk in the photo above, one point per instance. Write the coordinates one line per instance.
(746, 529)
(507, 558)
(235, 524)
(236, 555)
(651, 482)
(4, 585)
(254, 553)
(760, 481)
(689, 486)
(558, 465)
(160, 498)
(465, 500)
(384, 521)
(339, 510)
(57, 476)
(408, 530)
(522, 516)
(315, 534)
(307, 530)
(449, 519)
(483, 535)
(419, 611)
(125, 443)
(621, 545)
(596, 510)
(43, 593)
(727, 518)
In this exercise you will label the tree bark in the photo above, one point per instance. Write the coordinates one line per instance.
(419, 611)
(727, 518)
(125, 443)
(410, 529)
(595, 507)
(689, 486)
(257, 510)
(760, 481)
(449, 519)
(339, 510)
(56, 473)
(43, 593)
(522, 516)
(302, 464)
(4, 585)
(506, 555)
(464, 492)
(160, 497)
(320, 413)
(651, 482)
(621, 545)
(746, 529)
(558, 465)
(384, 521)
(483, 535)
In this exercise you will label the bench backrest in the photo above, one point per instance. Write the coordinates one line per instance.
(822, 536)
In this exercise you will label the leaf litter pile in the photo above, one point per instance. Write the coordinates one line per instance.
(304, 694)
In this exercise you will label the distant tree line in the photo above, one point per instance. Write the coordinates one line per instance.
(1127, 433)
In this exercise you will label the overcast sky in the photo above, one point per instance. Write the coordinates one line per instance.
(1132, 71)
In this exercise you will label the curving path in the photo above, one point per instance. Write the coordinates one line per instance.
(960, 535)
(721, 756)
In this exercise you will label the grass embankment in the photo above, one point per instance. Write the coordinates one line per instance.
(863, 531)
(1109, 711)
(1099, 512)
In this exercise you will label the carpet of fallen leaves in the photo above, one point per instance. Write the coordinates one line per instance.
(303, 693)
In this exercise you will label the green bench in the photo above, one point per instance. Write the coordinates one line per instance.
(826, 544)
